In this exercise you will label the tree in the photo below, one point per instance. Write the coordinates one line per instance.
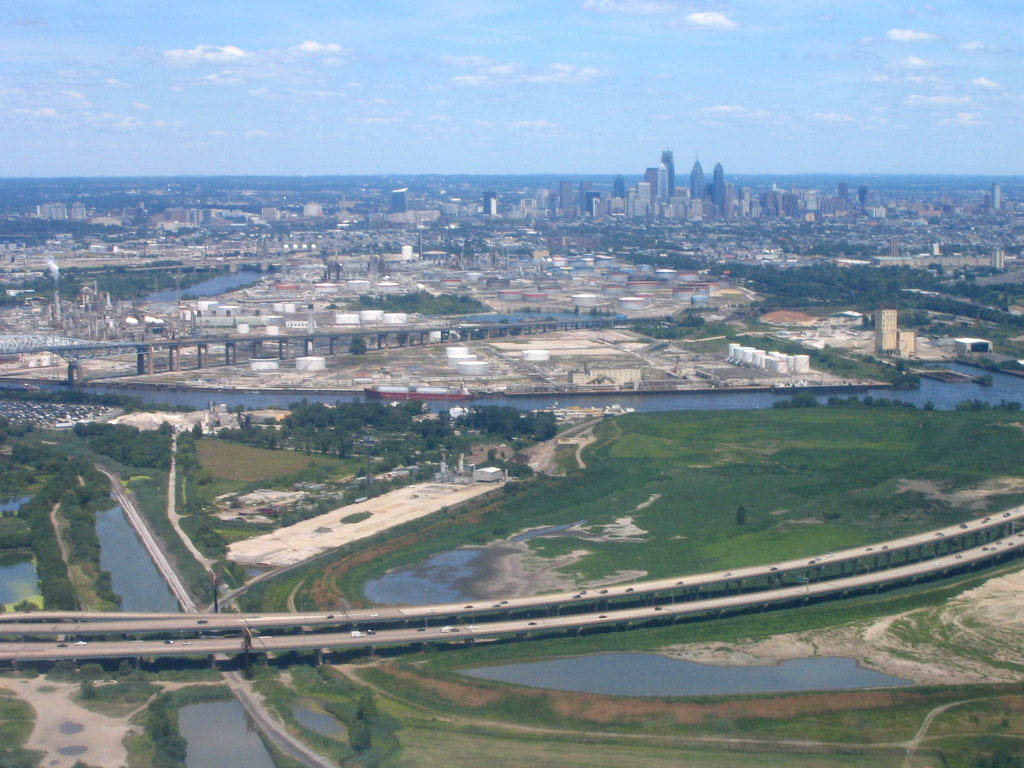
(87, 690)
(197, 430)
(741, 515)
(360, 737)
(357, 346)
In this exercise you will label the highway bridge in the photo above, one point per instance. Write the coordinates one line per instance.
(199, 349)
(935, 553)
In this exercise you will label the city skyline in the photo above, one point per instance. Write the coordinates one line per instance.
(581, 87)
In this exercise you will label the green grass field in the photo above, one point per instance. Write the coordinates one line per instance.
(808, 480)
(242, 463)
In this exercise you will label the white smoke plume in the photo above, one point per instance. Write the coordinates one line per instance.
(54, 269)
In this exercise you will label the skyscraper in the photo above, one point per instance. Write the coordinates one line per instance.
(997, 197)
(668, 162)
(565, 197)
(584, 189)
(399, 200)
(619, 187)
(490, 203)
(697, 181)
(718, 189)
(662, 183)
(862, 195)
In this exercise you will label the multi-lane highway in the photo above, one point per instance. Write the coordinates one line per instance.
(878, 557)
(427, 632)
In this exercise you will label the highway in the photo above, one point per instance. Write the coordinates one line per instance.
(689, 586)
(209, 646)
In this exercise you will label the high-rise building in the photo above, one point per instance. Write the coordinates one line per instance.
(718, 189)
(565, 197)
(619, 187)
(730, 196)
(643, 192)
(894, 248)
(999, 258)
(662, 183)
(997, 197)
(697, 181)
(490, 203)
(584, 189)
(670, 163)
(311, 210)
(862, 195)
(843, 191)
(886, 330)
(399, 200)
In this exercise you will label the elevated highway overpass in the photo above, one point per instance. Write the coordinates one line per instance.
(873, 558)
(248, 643)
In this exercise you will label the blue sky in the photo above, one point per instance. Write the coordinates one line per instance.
(581, 86)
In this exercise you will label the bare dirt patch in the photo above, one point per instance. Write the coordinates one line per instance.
(970, 498)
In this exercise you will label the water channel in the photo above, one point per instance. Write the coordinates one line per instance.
(18, 580)
(132, 572)
(215, 286)
(219, 733)
(646, 674)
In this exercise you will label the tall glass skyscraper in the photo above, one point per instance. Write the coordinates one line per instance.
(718, 188)
(697, 181)
(670, 164)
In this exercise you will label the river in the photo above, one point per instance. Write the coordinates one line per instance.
(18, 579)
(132, 572)
(219, 733)
(646, 674)
(215, 286)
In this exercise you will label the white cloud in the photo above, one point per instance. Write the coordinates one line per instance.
(833, 117)
(140, 106)
(984, 82)
(256, 133)
(534, 125)
(710, 20)
(965, 119)
(312, 47)
(492, 74)
(731, 112)
(216, 54)
(374, 120)
(36, 111)
(973, 46)
(75, 95)
(631, 7)
(908, 36)
(914, 62)
(917, 99)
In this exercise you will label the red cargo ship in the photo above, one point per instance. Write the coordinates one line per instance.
(417, 393)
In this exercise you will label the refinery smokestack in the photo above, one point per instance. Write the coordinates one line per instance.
(54, 270)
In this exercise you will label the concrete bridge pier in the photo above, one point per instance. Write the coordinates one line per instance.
(173, 358)
(74, 373)
(200, 355)
(230, 354)
(307, 346)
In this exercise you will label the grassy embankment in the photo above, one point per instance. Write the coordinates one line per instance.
(807, 480)
(16, 721)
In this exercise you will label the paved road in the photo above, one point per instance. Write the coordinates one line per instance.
(39, 650)
(163, 565)
(100, 623)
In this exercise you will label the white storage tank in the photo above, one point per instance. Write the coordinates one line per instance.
(778, 366)
(273, 330)
(395, 318)
(310, 363)
(472, 367)
(632, 302)
(759, 359)
(346, 318)
(387, 286)
(434, 336)
(406, 253)
(733, 352)
(451, 352)
(453, 362)
(585, 299)
(536, 355)
(263, 364)
(358, 286)
(207, 305)
(370, 316)
(242, 328)
(746, 355)
(802, 363)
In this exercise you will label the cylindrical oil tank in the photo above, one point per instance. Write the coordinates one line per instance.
(585, 299)
(264, 364)
(310, 363)
(472, 367)
(370, 316)
(395, 318)
(802, 363)
(451, 352)
(346, 318)
(536, 355)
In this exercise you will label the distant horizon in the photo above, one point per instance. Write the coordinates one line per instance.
(497, 87)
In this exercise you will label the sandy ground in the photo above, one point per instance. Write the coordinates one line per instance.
(101, 736)
(304, 540)
(976, 637)
(971, 498)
